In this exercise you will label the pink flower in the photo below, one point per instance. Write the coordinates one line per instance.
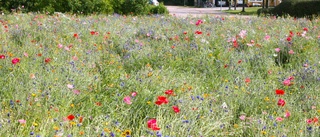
(281, 102)
(22, 121)
(291, 78)
(77, 92)
(243, 33)
(277, 49)
(286, 82)
(75, 58)
(2, 56)
(25, 54)
(70, 86)
(15, 61)
(288, 114)
(309, 121)
(199, 22)
(267, 37)
(127, 100)
(60, 46)
(291, 51)
(67, 48)
(152, 124)
(279, 119)
(133, 94)
(242, 117)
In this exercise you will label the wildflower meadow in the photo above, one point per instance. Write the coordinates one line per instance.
(66, 75)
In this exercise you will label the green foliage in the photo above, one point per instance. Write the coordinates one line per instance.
(297, 8)
(127, 7)
(135, 7)
(264, 11)
(50, 6)
(161, 9)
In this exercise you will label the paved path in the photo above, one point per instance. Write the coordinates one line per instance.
(182, 11)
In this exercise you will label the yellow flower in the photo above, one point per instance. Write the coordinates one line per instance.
(33, 94)
(266, 99)
(148, 102)
(72, 105)
(126, 132)
(263, 132)
(55, 128)
(149, 74)
(106, 130)
(72, 123)
(235, 125)
(35, 124)
(205, 95)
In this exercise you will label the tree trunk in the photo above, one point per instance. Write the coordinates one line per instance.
(267, 3)
(263, 4)
(235, 4)
(243, 6)
(229, 4)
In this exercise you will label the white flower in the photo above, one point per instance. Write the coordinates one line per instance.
(224, 105)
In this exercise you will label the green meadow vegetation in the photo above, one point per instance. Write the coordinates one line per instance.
(115, 75)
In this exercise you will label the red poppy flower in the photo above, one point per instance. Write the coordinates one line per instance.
(70, 117)
(305, 29)
(225, 66)
(92, 32)
(80, 119)
(98, 103)
(47, 60)
(247, 80)
(315, 120)
(235, 44)
(75, 35)
(198, 32)
(15, 61)
(289, 39)
(169, 92)
(176, 109)
(279, 92)
(184, 32)
(281, 102)
(291, 34)
(2, 56)
(239, 61)
(152, 124)
(162, 100)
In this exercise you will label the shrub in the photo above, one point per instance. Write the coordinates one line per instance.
(135, 7)
(73, 6)
(264, 11)
(297, 8)
(161, 9)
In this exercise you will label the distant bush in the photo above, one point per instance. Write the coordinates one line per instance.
(135, 7)
(297, 8)
(161, 9)
(264, 11)
(50, 6)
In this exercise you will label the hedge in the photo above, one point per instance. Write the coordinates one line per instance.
(134, 7)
